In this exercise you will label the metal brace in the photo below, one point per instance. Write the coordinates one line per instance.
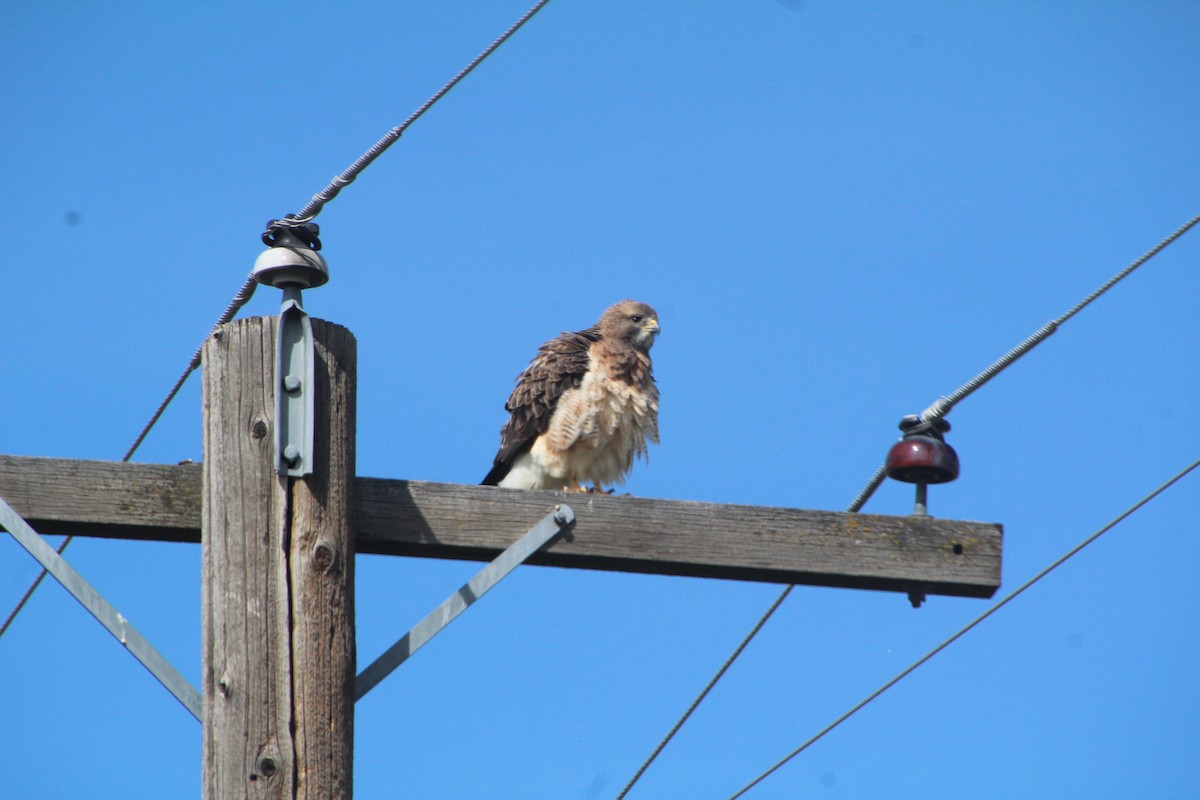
(294, 370)
(101, 609)
(533, 540)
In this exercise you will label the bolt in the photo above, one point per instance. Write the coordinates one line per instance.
(291, 384)
(291, 454)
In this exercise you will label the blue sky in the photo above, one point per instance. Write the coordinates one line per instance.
(841, 211)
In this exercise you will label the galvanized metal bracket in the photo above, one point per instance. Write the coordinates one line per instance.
(554, 523)
(294, 371)
(292, 263)
(101, 609)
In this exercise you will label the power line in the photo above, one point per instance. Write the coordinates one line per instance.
(12, 615)
(770, 612)
(944, 404)
(959, 634)
(704, 693)
(938, 409)
(320, 199)
(304, 215)
(240, 299)
(329, 192)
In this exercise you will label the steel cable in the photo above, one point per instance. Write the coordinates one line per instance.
(322, 197)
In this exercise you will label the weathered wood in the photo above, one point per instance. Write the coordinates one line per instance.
(277, 577)
(440, 520)
(676, 537)
(245, 653)
(322, 575)
(109, 499)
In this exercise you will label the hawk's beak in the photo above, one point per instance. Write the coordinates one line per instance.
(649, 332)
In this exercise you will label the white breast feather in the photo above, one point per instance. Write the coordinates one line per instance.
(594, 434)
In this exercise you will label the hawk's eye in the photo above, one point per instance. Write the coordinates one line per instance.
(636, 318)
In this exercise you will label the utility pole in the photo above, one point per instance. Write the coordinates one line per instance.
(280, 514)
(278, 656)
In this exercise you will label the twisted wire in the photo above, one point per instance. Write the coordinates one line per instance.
(944, 404)
(322, 197)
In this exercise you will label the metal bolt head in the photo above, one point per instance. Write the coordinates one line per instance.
(291, 384)
(291, 454)
(563, 514)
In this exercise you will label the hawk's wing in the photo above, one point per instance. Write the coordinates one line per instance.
(559, 365)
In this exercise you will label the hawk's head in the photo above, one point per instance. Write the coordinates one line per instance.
(630, 322)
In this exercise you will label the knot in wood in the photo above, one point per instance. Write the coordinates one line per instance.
(323, 557)
(265, 767)
(259, 429)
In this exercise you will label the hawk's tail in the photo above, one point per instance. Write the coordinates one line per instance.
(499, 470)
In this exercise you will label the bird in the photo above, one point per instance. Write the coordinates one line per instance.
(586, 405)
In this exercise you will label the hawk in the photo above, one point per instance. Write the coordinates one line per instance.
(583, 408)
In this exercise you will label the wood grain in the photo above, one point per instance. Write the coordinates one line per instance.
(676, 537)
(278, 654)
(322, 580)
(443, 520)
(247, 748)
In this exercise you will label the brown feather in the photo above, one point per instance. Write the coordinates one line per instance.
(559, 365)
(615, 344)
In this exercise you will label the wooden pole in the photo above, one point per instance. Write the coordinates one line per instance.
(278, 656)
